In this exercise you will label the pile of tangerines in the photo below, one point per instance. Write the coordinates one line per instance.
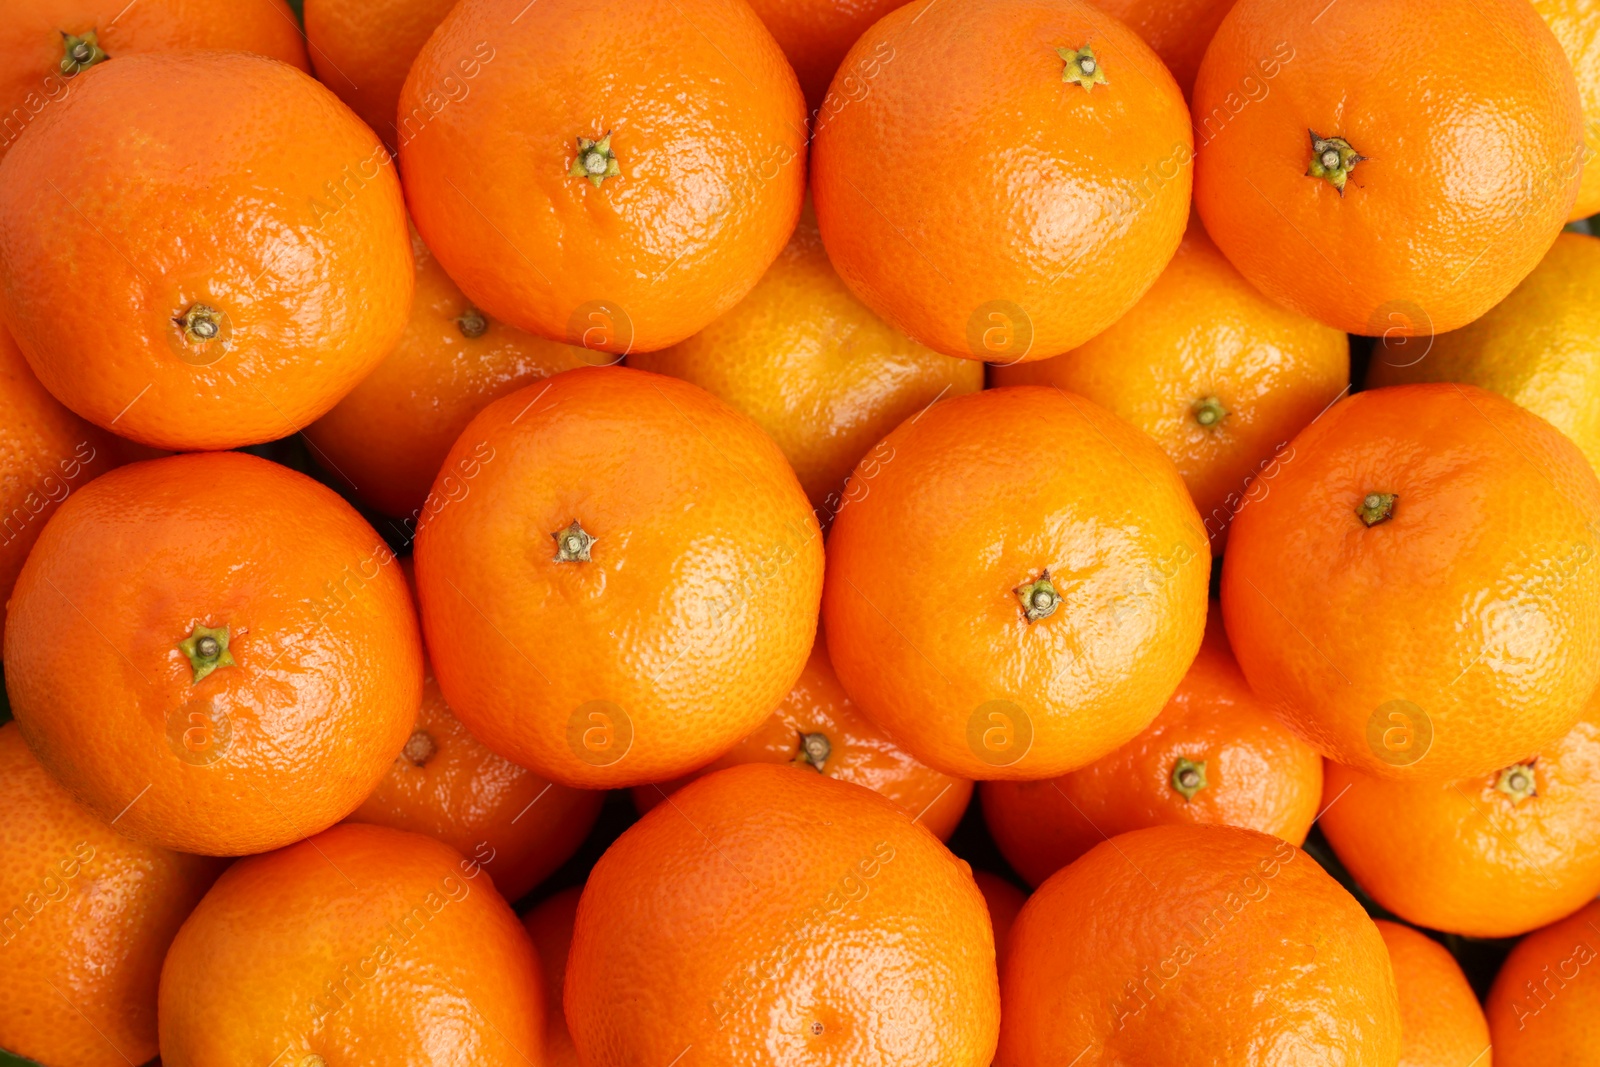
(436, 437)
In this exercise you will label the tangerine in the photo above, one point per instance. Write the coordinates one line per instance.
(1304, 184)
(389, 435)
(363, 50)
(817, 726)
(446, 784)
(202, 250)
(213, 650)
(1413, 589)
(1218, 374)
(637, 563)
(45, 453)
(824, 927)
(814, 367)
(1540, 346)
(1441, 1023)
(359, 945)
(1177, 30)
(1215, 754)
(1576, 24)
(660, 167)
(1491, 856)
(815, 35)
(549, 925)
(1546, 998)
(1156, 945)
(1005, 902)
(1055, 597)
(46, 44)
(91, 916)
(1013, 179)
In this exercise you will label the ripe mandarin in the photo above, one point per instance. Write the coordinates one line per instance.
(363, 49)
(1178, 30)
(814, 367)
(1470, 143)
(1013, 177)
(46, 452)
(1441, 1022)
(202, 249)
(1576, 24)
(1540, 346)
(90, 915)
(815, 35)
(46, 44)
(1215, 754)
(629, 587)
(388, 437)
(1005, 902)
(818, 726)
(823, 927)
(213, 650)
(446, 784)
(1413, 590)
(1218, 374)
(359, 945)
(1544, 1007)
(1019, 588)
(659, 151)
(1491, 856)
(549, 925)
(1211, 946)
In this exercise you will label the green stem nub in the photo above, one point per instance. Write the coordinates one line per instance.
(201, 323)
(78, 54)
(1208, 412)
(1082, 68)
(595, 161)
(1332, 160)
(573, 544)
(472, 323)
(1516, 782)
(1377, 507)
(207, 650)
(1039, 597)
(814, 750)
(1188, 777)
